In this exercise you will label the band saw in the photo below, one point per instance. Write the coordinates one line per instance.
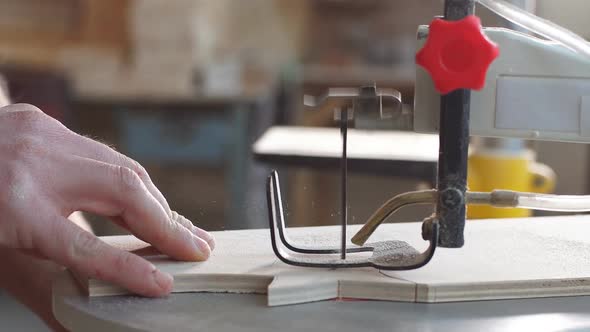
(470, 81)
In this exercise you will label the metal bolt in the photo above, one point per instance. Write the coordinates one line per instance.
(451, 198)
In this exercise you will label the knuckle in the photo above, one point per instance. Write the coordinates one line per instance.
(85, 245)
(136, 167)
(17, 108)
(84, 250)
(172, 225)
(27, 146)
(184, 222)
(24, 117)
(167, 230)
(175, 215)
(128, 180)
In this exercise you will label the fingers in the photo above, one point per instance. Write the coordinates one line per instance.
(176, 217)
(117, 191)
(85, 147)
(101, 152)
(69, 245)
(194, 229)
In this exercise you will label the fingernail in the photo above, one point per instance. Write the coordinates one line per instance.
(202, 247)
(163, 280)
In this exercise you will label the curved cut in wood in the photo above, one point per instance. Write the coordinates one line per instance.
(501, 259)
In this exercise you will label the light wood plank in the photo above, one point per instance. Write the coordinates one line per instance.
(502, 259)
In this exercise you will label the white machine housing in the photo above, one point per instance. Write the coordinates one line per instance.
(535, 89)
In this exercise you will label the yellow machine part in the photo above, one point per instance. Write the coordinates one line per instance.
(488, 171)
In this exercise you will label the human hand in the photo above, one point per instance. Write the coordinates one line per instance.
(47, 172)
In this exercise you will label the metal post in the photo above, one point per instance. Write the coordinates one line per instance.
(454, 143)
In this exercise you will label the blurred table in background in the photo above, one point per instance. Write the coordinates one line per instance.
(381, 164)
(392, 153)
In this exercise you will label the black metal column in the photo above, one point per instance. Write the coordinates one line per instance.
(454, 142)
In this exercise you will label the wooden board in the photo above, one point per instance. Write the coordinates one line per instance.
(502, 259)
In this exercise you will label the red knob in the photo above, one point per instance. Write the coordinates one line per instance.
(457, 54)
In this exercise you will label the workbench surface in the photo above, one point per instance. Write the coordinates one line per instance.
(558, 247)
(227, 312)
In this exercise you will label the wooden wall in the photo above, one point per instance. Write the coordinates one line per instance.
(33, 32)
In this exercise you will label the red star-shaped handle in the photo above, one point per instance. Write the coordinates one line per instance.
(457, 54)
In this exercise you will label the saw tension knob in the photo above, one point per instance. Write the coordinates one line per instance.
(457, 54)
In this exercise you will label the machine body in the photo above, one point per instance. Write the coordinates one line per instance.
(470, 81)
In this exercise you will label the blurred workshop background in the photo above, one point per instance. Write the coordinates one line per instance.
(186, 87)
